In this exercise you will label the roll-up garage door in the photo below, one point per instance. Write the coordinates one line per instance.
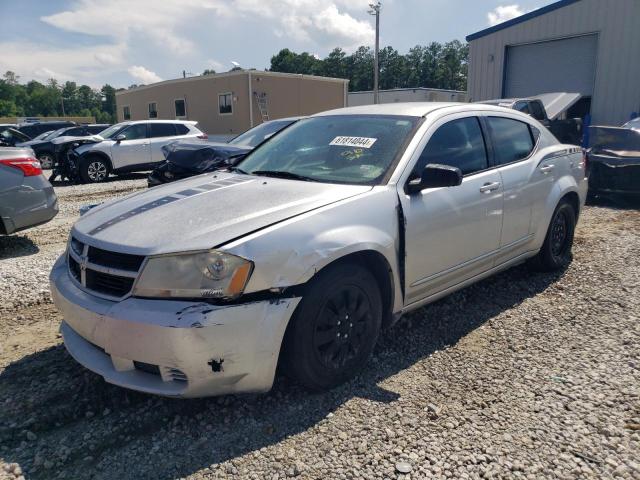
(566, 65)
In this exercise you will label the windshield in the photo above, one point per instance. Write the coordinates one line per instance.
(44, 135)
(57, 133)
(109, 132)
(353, 149)
(256, 135)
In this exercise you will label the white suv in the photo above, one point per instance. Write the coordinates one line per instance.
(130, 147)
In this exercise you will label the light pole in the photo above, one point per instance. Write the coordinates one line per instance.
(375, 10)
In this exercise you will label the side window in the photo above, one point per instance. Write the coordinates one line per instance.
(181, 129)
(126, 112)
(225, 103)
(162, 130)
(75, 132)
(458, 143)
(537, 111)
(93, 129)
(181, 109)
(153, 110)
(135, 132)
(522, 107)
(512, 139)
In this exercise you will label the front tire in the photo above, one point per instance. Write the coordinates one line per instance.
(555, 253)
(94, 170)
(335, 327)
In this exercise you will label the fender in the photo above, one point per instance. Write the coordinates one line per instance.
(291, 252)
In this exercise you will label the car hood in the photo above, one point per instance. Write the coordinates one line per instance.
(202, 212)
(29, 143)
(557, 103)
(72, 138)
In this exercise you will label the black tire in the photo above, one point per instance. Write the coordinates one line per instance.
(46, 160)
(344, 299)
(555, 253)
(94, 170)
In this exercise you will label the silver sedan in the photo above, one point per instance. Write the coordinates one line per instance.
(302, 253)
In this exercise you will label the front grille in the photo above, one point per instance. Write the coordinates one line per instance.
(113, 285)
(147, 367)
(74, 268)
(122, 261)
(176, 375)
(103, 272)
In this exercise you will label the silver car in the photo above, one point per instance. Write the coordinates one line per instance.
(27, 199)
(313, 244)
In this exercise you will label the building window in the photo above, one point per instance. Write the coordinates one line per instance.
(181, 108)
(225, 101)
(126, 112)
(153, 110)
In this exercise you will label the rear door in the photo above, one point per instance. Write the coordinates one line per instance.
(161, 134)
(134, 149)
(527, 182)
(452, 234)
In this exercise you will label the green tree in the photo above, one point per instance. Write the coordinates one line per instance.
(209, 71)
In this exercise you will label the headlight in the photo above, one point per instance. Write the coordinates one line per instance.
(191, 275)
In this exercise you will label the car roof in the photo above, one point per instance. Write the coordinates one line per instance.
(412, 109)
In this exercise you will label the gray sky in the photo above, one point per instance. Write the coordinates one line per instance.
(141, 41)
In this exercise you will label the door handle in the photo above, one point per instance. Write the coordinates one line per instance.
(144, 144)
(489, 187)
(547, 168)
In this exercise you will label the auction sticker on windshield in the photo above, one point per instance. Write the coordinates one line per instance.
(364, 142)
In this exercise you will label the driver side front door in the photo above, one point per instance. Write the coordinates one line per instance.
(134, 150)
(452, 233)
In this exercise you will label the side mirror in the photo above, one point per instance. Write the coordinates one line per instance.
(435, 175)
(121, 137)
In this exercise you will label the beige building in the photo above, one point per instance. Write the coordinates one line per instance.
(230, 103)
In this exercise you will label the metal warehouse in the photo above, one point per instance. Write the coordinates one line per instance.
(590, 47)
(227, 104)
(418, 94)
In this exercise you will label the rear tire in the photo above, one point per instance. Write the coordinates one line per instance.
(334, 328)
(555, 253)
(46, 160)
(94, 170)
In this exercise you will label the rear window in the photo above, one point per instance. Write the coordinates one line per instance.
(512, 139)
(162, 130)
(181, 129)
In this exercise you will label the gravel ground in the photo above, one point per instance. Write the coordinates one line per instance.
(520, 376)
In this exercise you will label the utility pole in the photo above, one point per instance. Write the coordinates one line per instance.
(375, 10)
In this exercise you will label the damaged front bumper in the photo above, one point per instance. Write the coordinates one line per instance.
(169, 347)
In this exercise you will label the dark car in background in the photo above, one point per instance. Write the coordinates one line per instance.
(27, 199)
(33, 129)
(552, 110)
(9, 137)
(613, 157)
(44, 148)
(193, 157)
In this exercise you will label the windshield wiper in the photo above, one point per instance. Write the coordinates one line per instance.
(237, 170)
(283, 174)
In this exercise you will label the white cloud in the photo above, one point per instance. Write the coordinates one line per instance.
(81, 64)
(143, 75)
(124, 29)
(166, 22)
(503, 13)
